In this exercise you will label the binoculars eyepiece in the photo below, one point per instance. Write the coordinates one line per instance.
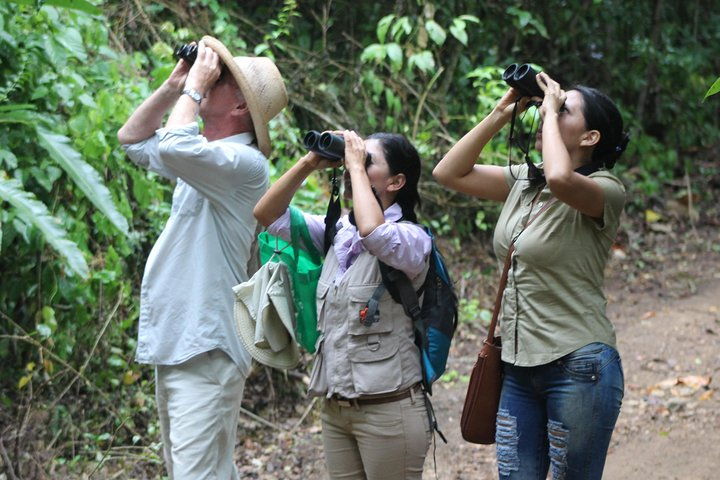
(325, 144)
(522, 78)
(187, 52)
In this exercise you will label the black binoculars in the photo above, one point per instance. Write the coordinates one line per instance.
(325, 144)
(187, 52)
(522, 78)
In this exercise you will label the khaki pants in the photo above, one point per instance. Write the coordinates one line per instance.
(386, 441)
(199, 404)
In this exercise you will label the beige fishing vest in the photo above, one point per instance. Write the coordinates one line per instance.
(352, 359)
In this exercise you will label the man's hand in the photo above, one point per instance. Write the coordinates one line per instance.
(176, 80)
(205, 71)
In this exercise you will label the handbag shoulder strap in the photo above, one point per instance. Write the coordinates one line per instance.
(504, 276)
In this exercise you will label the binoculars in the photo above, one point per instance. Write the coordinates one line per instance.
(522, 78)
(325, 144)
(187, 52)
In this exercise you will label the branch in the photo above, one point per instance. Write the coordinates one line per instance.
(92, 350)
(28, 339)
(6, 460)
(421, 101)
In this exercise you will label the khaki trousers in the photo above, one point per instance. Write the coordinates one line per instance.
(199, 405)
(386, 441)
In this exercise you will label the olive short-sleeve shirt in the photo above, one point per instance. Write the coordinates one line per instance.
(554, 302)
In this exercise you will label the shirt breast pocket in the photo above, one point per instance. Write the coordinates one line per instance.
(187, 202)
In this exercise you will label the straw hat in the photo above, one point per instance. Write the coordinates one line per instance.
(265, 316)
(261, 84)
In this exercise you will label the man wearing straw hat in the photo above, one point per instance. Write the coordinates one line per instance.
(186, 311)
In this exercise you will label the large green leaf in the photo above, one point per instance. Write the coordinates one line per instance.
(84, 176)
(34, 212)
(81, 5)
(19, 113)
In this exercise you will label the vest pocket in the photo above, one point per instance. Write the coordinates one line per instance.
(321, 298)
(375, 362)
(318, 380)
(359, 322)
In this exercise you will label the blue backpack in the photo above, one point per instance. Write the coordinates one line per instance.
(435, 321)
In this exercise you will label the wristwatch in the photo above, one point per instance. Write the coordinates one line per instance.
(194, 94)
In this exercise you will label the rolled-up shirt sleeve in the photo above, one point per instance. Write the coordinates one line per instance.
(147, 155)
(212, 168)
(401, 245)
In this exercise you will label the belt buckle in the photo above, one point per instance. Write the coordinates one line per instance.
(344, 403)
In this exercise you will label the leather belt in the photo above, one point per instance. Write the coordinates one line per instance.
(375, 399)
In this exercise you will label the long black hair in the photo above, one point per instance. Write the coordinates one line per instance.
(402, 157)
(602, 115)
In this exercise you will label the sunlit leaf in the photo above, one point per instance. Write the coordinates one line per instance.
(395, 54)
(130, 377)
(652, 216)
(401, 26)
(383, 26)
(374, 52)
(23, 381)
(423, 61)
(436, 32)
(43, 330)
(715, 88)
(457, 30)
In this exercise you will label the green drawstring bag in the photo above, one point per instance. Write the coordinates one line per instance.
(304, 265)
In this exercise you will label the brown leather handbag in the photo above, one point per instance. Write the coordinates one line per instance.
(477, 423)
(479, 415)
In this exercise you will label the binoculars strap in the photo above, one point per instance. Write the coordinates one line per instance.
(535, 175)
(333, 212)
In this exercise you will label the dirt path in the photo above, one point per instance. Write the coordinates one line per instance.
(668, 327)
(667, 429)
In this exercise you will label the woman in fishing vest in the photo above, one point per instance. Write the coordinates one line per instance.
(367, 367)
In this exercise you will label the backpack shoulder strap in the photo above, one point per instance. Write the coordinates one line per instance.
(401, 289)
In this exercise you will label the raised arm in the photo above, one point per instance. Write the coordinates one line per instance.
(277, 199)
(561, 158)
(148, 117)
(458, 170)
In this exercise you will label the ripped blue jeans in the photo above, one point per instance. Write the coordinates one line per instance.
(559, 416)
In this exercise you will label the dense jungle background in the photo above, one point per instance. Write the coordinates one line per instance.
(77, 219)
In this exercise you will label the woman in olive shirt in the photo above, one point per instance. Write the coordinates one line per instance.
(563, 383)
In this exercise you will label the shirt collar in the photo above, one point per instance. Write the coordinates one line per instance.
(245, 138)
(393, 213)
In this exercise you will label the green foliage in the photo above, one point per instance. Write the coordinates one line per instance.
(67, 322)
(30, 212)
(80, 5)
(73, 206)
(471, 312)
